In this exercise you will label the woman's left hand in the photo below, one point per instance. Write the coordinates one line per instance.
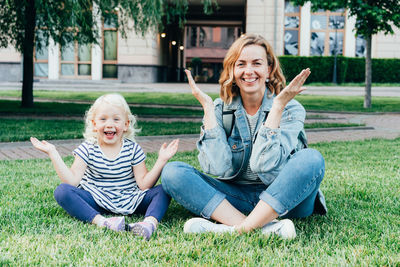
(294, 88)
(167, 152)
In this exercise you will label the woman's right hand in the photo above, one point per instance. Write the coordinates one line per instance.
(43, 146)
(204, 99)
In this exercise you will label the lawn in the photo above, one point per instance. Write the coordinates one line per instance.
(310, 102)
(362, 227)
(22, 129)
(74, 109)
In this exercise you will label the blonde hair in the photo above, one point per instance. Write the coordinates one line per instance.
(116, 100)
(276, 79)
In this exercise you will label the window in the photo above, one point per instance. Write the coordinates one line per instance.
(360, 46)
(211, 37)
(292, 23)
(110, 47)
(206, 47)
(327, 33)
(41, 57)
(76, 60)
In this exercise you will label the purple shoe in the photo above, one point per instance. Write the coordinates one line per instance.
(141, 229)
(115, 223)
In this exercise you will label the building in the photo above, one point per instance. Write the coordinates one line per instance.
(202, 44)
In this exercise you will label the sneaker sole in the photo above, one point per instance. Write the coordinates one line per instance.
(289, 229)
(189, 223)
(138, 230)
(121, 225)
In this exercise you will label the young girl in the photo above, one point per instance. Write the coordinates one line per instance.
(109, 175)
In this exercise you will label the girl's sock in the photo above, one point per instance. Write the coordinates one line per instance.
(145, 228)
(114, 223)
(99, 221)
(151, 221)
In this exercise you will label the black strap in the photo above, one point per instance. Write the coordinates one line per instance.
(265, 118)
(228, 120)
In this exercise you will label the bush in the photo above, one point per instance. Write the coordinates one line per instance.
(348, 69)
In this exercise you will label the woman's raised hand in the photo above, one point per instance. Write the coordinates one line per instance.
(294, 88)
(43, 146)
(204, 99)
(209, 120)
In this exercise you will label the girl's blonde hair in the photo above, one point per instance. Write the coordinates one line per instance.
(116, 100)
(276, 79)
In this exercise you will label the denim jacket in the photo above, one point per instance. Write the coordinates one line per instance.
(272, 148)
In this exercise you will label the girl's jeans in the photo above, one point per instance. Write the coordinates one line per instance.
(81, 205)
(292, 194)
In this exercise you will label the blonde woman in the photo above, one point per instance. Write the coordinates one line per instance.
(109, 175)
(264, 169)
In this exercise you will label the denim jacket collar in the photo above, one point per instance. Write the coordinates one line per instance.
(265, 105)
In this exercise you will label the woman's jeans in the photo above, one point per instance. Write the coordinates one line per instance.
(81, 205)
(292, 194)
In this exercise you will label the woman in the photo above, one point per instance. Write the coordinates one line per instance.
(264, 167)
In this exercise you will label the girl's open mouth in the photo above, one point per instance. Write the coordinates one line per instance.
(110, 134)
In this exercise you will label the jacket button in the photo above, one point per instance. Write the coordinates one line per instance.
(234, 146)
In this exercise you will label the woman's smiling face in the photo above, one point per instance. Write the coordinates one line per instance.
(251, 70)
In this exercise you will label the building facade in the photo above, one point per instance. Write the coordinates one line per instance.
(201, 45)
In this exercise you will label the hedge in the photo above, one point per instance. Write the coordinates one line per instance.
(348, 69)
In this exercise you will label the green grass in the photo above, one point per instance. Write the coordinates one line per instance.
(73, 109)
(310, 102)
(354, 84)
(362, 227)
(348, 103)
(142, 98)
(315, 125)
(22, 129)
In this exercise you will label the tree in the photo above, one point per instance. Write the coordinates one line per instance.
(75, 20)
(372, 17)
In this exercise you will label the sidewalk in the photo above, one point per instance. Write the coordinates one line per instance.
(115, 86)
(377, 126)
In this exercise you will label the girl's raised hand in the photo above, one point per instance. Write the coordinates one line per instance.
(294, 88)
(43, 146)
(204, 99)
(167, 152)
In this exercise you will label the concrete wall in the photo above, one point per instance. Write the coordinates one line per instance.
(10, 72)
(386, 46)
(267, 18)
(9, 54)
(10, 65)
(141, 73)
(139, 59)
(138, 50)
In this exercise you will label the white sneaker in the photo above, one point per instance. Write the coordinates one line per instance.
(284, 228)
(200, 225)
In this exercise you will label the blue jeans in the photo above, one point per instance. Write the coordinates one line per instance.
(81, 205)
(292, 194)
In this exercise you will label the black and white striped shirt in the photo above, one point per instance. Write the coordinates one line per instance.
(248, 176)
(111, 182)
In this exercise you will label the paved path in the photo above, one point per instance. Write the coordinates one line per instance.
(114, 86)
(377, 126)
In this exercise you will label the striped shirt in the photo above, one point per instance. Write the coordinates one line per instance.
(111, 182)
(248, 176)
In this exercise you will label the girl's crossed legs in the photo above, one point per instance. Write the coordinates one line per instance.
(81, 205)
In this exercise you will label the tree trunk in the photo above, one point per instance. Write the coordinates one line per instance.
(27, 82)
(368, 73)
